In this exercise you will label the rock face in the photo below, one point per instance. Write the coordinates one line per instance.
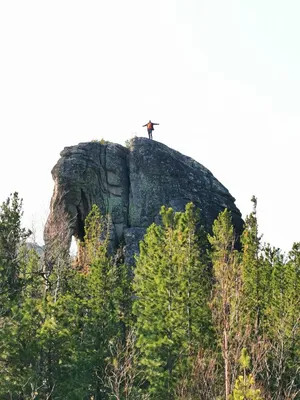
(131, 185)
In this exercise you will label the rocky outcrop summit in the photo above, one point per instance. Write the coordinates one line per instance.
(131, 184)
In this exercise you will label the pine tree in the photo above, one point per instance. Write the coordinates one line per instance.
(244, 388)
(90, 314)
(256, 276)
(171, 290)
(55, 341)
(283, 324)
(226, 295)
(12, 237)
(20, 350)
(20, 288)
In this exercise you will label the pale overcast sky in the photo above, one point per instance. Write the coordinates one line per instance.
(221, 77)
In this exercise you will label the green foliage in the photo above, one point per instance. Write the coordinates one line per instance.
(68, 332)
(19, 334)
(20, 289)
(270, 309)
(244, 359)
(244, 388)
(226, 294)
(282, 322)
(88, 314)
(12, 237)
(171, 290)
(256, 275)
(55, 342)
(128, 142)
(101, 141)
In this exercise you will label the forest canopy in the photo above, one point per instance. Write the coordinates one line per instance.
(201, 316)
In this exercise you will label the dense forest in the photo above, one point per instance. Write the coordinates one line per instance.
(201, 316)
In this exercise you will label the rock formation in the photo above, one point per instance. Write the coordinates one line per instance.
(130, 184)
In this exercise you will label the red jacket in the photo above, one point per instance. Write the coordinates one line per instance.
(150, 126)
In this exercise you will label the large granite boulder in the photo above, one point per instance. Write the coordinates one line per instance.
(130, 184)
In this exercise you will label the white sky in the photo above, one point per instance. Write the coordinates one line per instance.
(221, 77)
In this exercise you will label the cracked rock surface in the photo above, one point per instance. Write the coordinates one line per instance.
(131, 184)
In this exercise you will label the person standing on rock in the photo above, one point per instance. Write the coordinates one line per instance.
(150, 128)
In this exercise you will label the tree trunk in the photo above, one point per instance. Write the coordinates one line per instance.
(226, 360)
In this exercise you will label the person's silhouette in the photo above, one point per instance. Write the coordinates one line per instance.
(150, 128)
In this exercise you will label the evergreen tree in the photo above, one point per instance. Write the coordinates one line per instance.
(66, 332)
(269, 297)
(20, 347)
(20, 287)
(283, 324)
(256, 276)
(171, 290)
(226, 295)
(55, 341)
(91, 313)
(244, 388)
(12, 237)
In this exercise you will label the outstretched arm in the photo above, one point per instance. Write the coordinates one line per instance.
(145, 125)
(154, 123)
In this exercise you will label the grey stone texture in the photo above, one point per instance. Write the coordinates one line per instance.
(131, 184)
